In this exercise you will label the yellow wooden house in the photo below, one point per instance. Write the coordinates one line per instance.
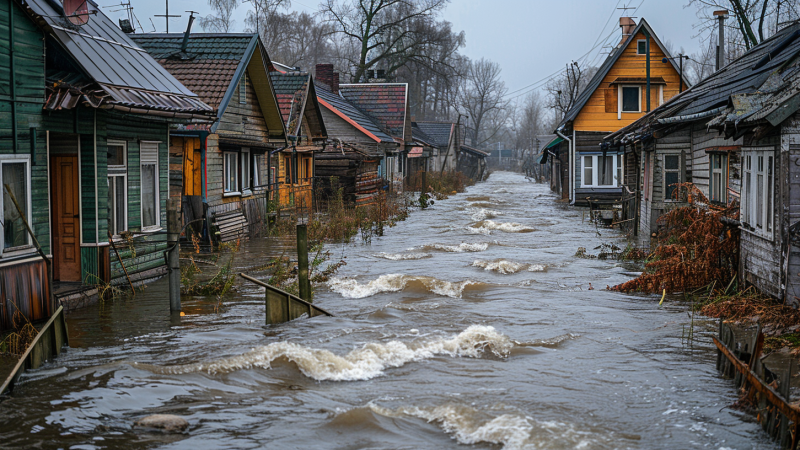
(638, 76)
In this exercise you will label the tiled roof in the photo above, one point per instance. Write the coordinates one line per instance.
(438, 131)
(352, 112)
(384, 102)
(290, 89)
(208, 65)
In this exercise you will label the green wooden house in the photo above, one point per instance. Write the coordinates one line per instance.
(83, 148)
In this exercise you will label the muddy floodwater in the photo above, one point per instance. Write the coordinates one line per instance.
(469, 325)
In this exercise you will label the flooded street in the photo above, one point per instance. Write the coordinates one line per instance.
(469, 323)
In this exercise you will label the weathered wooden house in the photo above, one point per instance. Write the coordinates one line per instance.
(387, 105)
(418, 157)
(631, 81)
(220, 170)
(297, 100)
(736, 137)
(83, 148)
(357, 143)
(472, 162)
(448, 144)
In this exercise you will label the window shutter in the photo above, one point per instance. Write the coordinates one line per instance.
(611, 99)
(148, 152)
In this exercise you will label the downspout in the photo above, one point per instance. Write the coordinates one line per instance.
(13, 77)
(569, 182)
(96, 188)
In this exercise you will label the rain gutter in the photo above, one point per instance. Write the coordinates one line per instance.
(692, 117)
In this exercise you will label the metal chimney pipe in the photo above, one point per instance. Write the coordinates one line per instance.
(185, 43)
(721, 16)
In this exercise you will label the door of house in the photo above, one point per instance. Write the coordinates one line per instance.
(66, 217)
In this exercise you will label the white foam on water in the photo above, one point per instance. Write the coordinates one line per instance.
(403, 256)
(497, 425)
(500, 266)
(363, 363)
(350, 288)
(487, 226)
(536, 268)
(460, 248)
(479, 214)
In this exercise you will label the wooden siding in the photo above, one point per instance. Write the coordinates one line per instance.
(594, 115)
(244, 120)
(790, 144)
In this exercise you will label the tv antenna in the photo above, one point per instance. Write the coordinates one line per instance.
(625, 9)
(166, 16)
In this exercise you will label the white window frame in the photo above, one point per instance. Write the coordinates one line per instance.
(149, 161)
(124, 177)
(750, 179)
(28, 247)
(124, 145)
(645, 47)
(620, 89)
(664, 172)
(245, 185)
(722, 170)
(230, 191)
(596, 171)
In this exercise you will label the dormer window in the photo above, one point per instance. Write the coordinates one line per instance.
(641, 47)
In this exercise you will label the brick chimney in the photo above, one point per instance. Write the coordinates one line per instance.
(325, 74)
(335, 83)
(627, 24)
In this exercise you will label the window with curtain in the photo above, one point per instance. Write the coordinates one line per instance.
(149, 173)
(230, 169)
(245, 165)
(588, 171)
(758, 188)
(601, 171)
(607, 170)
(15, 174)
(718, 183)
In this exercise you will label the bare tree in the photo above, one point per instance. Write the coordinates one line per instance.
(386, 32)
(220, 21)
(530, 121)
(563, 91)
(483, 99)
(752, 20)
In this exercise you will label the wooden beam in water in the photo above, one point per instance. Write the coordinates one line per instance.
(45, 346)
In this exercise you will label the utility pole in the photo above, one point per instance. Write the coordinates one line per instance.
(166, 16)
(173, 262)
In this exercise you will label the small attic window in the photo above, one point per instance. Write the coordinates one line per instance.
(641, 47)
(243, 89)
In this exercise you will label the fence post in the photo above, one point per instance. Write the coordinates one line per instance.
(173, 264)
(302, 262)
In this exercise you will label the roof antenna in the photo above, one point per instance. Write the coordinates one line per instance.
(625, 9)
(188, 30)
(165, 16)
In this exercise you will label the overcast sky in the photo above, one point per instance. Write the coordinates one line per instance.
(531, 39)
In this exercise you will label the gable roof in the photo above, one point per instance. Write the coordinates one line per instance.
(352, 114)
(420, 136)
(384, 102)
(129, 78)
(604, 68)
(761, 86)
(438, 131)
(297, 100)
(212, 66)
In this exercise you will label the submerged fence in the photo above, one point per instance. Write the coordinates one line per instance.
(764, 382)
(282, 306)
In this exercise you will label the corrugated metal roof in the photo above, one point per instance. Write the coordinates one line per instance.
(129, 76)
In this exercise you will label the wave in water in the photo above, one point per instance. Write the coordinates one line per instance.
(362, 363)
(403, 256)
(487, 226)
(506, 267)
(500, 425)
(479, 214)
(350, 288)
(460, 248)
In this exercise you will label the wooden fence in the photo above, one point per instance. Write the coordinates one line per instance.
(282, 306)
(764, 382)
(45, 346)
